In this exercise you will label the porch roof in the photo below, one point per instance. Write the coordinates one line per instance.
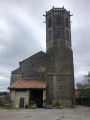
(28, 84)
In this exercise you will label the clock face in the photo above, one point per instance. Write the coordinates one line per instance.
(41, 69)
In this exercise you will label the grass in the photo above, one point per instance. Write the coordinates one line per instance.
(9, 108)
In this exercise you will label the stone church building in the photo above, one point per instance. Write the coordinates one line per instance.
(47, 76)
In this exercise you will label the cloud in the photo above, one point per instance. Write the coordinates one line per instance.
(23, 33)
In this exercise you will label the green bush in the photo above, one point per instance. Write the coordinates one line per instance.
(59, 103)
(86, 93)
(32, 102)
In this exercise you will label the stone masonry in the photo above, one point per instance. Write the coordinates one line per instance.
(29, 68)
(56, 65)
(60, 72)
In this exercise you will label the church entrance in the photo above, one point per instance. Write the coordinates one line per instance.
(37, 96)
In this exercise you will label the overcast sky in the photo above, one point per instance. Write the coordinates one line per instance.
(23, 33)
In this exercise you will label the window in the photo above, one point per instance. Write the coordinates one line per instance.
(67, 22)
(67, 35)
(49, 35)
(67, 76)
(58, 34)
(60, 87)
(58, 20)
(49, 22)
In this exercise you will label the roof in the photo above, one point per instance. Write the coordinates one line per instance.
(28, 84)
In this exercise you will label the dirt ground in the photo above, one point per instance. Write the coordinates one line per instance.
(78, 113)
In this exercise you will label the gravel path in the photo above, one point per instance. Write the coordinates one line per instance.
(79, 113)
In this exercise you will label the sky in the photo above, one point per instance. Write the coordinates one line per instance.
(23, 33)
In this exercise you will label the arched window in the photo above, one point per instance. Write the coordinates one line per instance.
(49, 22)
(67, 35)
(67, 22)
(58, 20)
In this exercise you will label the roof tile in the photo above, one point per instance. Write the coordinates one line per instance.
(27, 84)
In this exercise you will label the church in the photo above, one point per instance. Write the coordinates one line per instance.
(47, 76)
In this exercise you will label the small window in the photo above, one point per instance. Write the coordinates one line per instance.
(67, 76)
(60, 87)
(49, 22)
(49, 35)
(58, 34)
(67, 35)
(58, 20)
(67, 22)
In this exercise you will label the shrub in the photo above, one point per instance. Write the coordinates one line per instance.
(32, 102)
(59, 103)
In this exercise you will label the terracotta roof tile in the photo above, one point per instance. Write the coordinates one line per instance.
(27, 84)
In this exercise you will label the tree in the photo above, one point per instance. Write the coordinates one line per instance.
(85, 86)
(86, 93)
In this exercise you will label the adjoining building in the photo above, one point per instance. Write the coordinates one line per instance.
(4, 99)
(47, 76)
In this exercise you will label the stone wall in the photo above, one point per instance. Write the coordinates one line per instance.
(44, 98)
(60, 76)
(15, 77)
(5, 99)
(29, 68)
(16, 95)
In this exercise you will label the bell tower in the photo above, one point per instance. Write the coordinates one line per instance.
(60, 72)
(58, 28)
